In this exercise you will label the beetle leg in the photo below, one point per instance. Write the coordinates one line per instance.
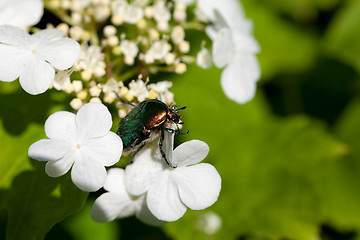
(169, 130)
(136, 152)
(161, 141)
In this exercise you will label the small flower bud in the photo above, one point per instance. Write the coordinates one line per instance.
(109, 30)
(76, 103)
(184, 47)
(180, 68)
(86, 75)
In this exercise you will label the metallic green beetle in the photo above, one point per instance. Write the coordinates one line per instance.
(144, 122)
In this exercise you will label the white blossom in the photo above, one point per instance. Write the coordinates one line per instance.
(111, 86)
(158, 49)
(32, 58)
(138, 89)
(118, 203)
(203, 58)
(160, 12)
(92, 60)
(82, 141)
(129, 13)
(162, 88)
(130, 50)
(234, 48)
(61, 80)
(177, 34)
(21, 13)
(169, 191)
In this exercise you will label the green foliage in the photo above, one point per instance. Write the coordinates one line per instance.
(342, 38)
(268, 165)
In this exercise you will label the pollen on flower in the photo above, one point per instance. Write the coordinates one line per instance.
(78, 146)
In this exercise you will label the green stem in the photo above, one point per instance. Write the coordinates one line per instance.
(127, 75)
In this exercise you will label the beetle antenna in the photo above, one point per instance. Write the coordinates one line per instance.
(124, 102)
(181, 108)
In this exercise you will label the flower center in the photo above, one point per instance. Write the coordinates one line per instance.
(78, 146)
(33, 51)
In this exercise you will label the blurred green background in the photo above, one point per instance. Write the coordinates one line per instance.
(289, 159)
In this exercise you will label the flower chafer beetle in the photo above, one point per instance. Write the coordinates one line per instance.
(144, 122)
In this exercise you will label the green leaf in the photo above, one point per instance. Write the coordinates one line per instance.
(339, 183)
(267, 164)
(342, 37)
(83, 227)
(285, 47)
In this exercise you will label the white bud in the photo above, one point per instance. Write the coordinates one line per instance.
(113, 41)
(148, 12)
(76, 32)
(180, 68)
(95, 99)
(95, 91)
(162, 26)
(177, 34)
(158, 49)
(184, 47)
(63, 27)
(170, 58)
(109, 30)
(76, 103)
(78, 86)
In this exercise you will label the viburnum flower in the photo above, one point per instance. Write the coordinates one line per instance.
(234, 48)
(82, 141)
(118, 203)
(169, 191)
(21, 13)
(32, 58)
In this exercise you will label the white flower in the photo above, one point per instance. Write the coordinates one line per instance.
(130, 50)
(111, 86)
(61, 80)
(171, 190)
(130, 13)
(138, 89)
(21, 13)
(162, 88)
(203, 58)
(92, 60)
(82, 141)
(33, 57)
(158, 49)
(234, 48)
(161, 13)
(118, 203)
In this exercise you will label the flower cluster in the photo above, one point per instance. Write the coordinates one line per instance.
(148, 188)
(109, 51)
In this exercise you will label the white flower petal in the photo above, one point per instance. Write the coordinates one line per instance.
(61, 125)
(110, 206)
(238, 79)
(199, 185)
(231, 11)
(62, 53)
(46, 36)
(22, 13)
(223, 47)
(144, 215)
(163, 199)
(13, 35)
(48, 149)
(11, 62)
(93, 120)
(88, 174)
(140, 174)
(115, 181)
(36, 76)
(107, 149)
(61, 166)
(190, 152)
